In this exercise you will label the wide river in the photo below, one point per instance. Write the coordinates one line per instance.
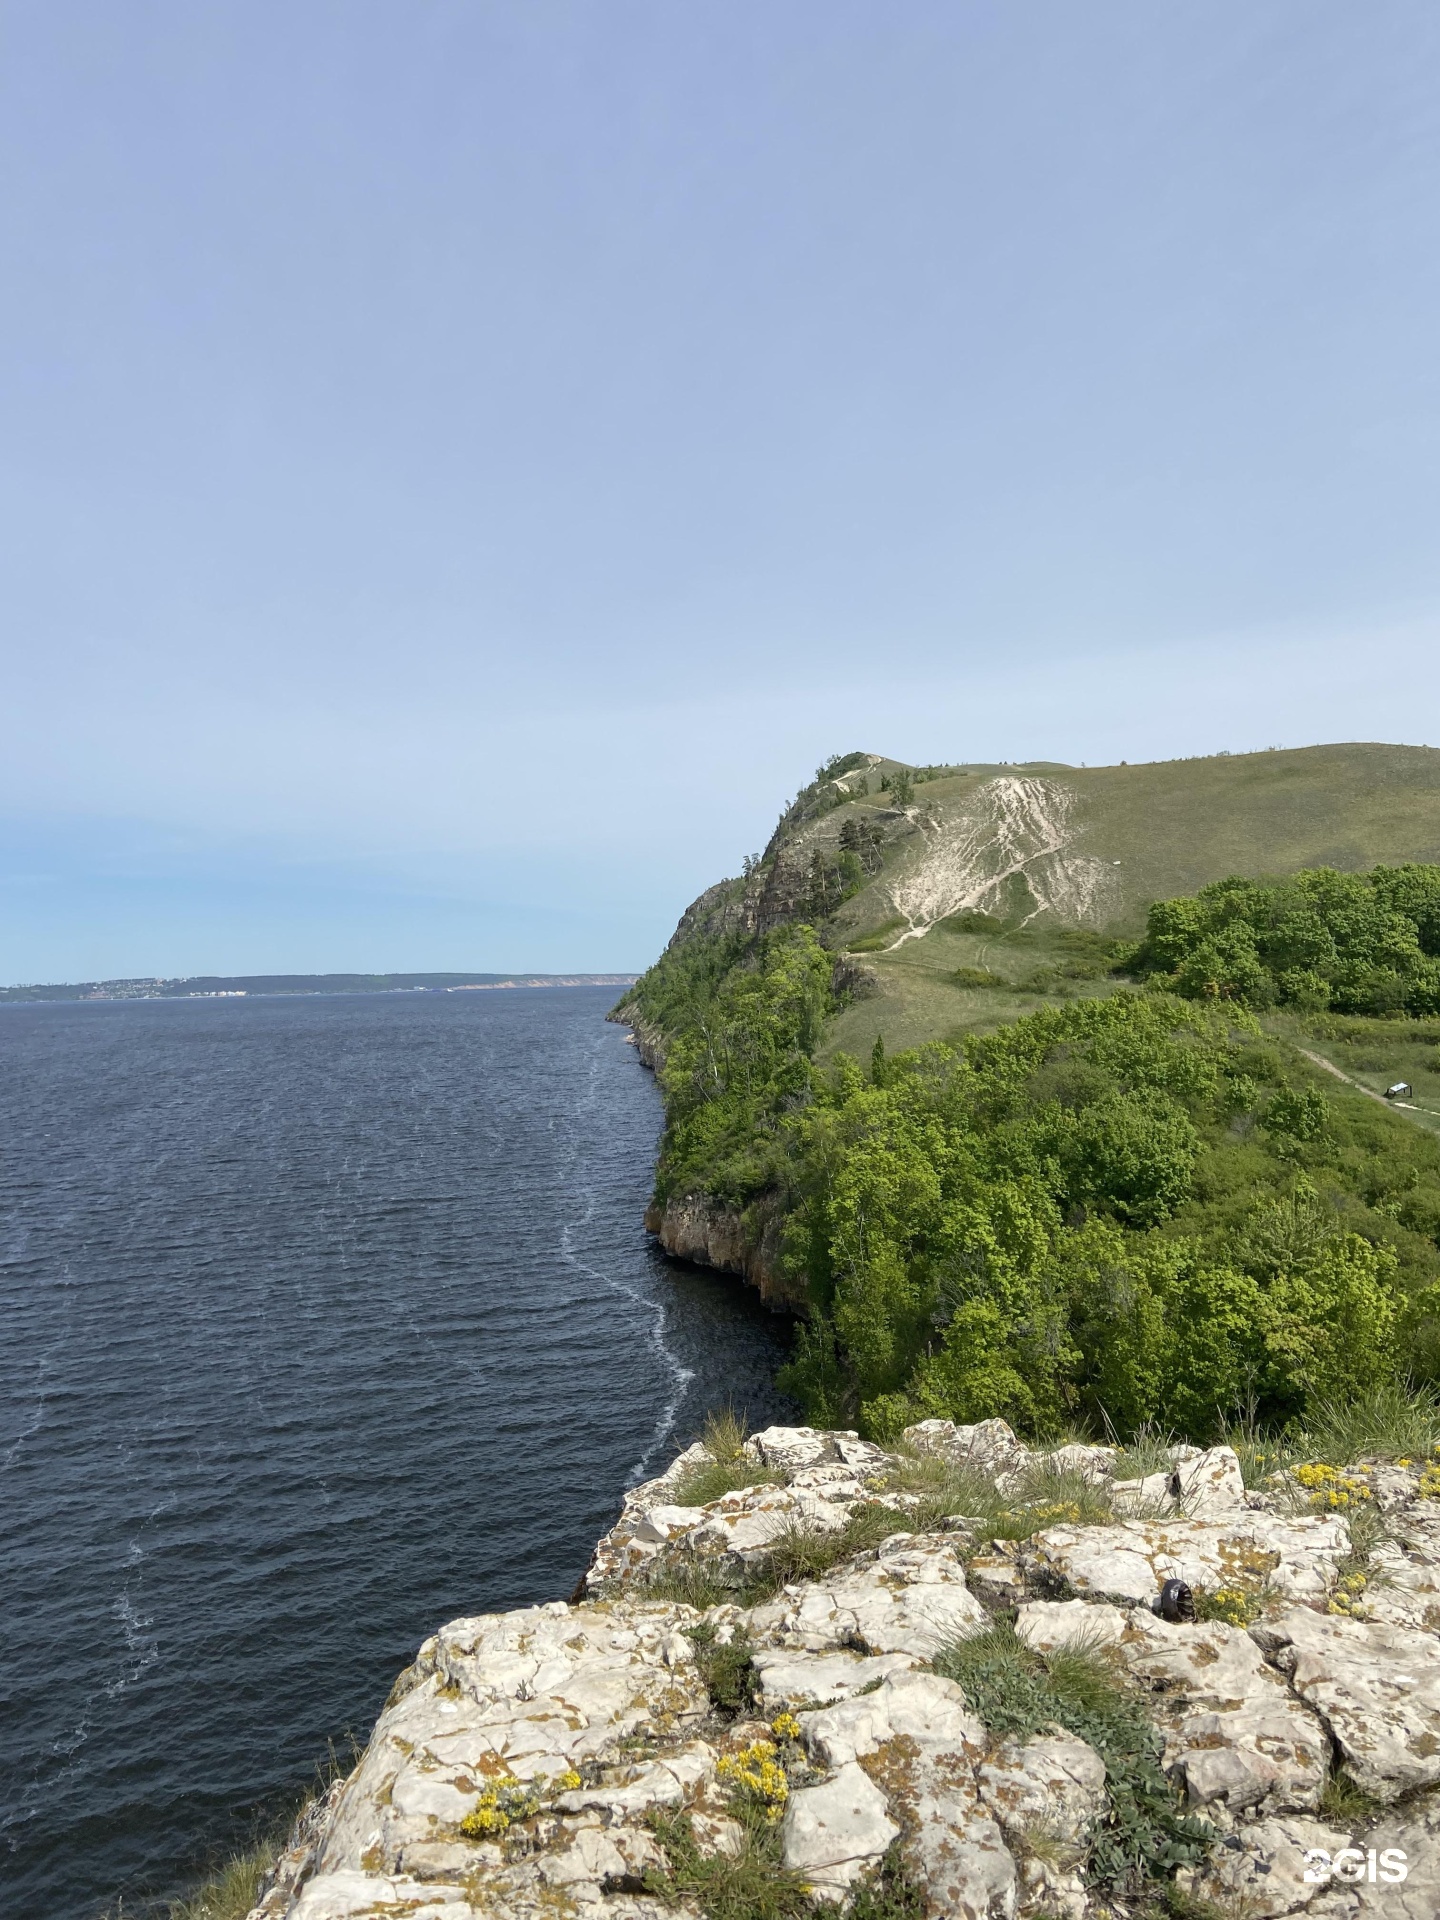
(325, 1320)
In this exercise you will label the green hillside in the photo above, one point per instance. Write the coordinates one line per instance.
(1018, 1144)
(1128, 836)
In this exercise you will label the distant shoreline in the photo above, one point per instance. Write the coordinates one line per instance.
(263, 985)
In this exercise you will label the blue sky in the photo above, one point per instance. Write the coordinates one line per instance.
(464, 465)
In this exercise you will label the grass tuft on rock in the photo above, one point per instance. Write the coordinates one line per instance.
(727, 1668)
(234, 1888)
(751, 1884)
(1345, 1804)
(808, 1553)
(1388, 1422)
(1044, 1497)
(729, 1467)
(685, 1579)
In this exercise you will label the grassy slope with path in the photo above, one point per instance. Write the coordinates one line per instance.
(1173, 826)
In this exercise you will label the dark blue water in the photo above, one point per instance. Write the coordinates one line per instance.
(324, 1320)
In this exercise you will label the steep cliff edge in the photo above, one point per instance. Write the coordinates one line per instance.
(1078, 1694)
(699, 1228)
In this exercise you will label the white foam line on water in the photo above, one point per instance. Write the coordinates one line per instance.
(680, 1374)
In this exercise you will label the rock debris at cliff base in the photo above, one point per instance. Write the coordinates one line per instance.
(559, 1759)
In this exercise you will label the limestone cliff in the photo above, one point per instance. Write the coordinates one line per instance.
(633, 1755)
(698, 1227)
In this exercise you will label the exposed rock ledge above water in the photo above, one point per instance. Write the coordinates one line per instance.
(578, 1724)
(696, 1227)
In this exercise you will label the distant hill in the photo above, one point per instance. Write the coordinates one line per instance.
(216, 986)
(1009, 871)
(1160, 1186)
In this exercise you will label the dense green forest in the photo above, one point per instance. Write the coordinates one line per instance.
(1357, 942)
(1144, 1208)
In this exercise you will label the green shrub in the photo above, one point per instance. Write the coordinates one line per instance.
(1358, 942)
(1127, 1211)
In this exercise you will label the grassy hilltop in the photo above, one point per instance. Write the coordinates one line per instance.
(1129, 835)
(1022, 1141)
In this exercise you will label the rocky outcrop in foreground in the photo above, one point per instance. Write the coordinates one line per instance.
(765, 1681)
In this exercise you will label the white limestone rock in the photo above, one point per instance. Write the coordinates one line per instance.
(1095, 1464)
(661, 1524)
(995, 1575)
(1404, 1571)
(348, 1894)
(1295, 1556)
(1211, 1485)
(1412, 1832)
(834, 1832)
(530, 1694)
(786, 1679)
(1377, 1688)
(667, 1782)
(1260, 1870)
(919, 1707)
(1240, 1740)
(793, 1449)
(1048, 1624)
(989, 1445)
(908, 1597)
(917, 1739)
(748, 1523)
(953, 1844)
(1054, 1781)
(1153, 1496)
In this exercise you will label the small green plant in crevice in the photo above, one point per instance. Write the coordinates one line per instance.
(751, 1884)
(684, 1578)
(726, 1666)
(1143, 1835)
(1346, 1804)
(888, 1892)
(729, 1467)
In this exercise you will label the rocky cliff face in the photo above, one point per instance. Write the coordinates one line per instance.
(632, 1755)
(700, 1228)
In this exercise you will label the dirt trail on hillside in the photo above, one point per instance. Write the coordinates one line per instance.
(1014, 824)
(1409, 1106)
